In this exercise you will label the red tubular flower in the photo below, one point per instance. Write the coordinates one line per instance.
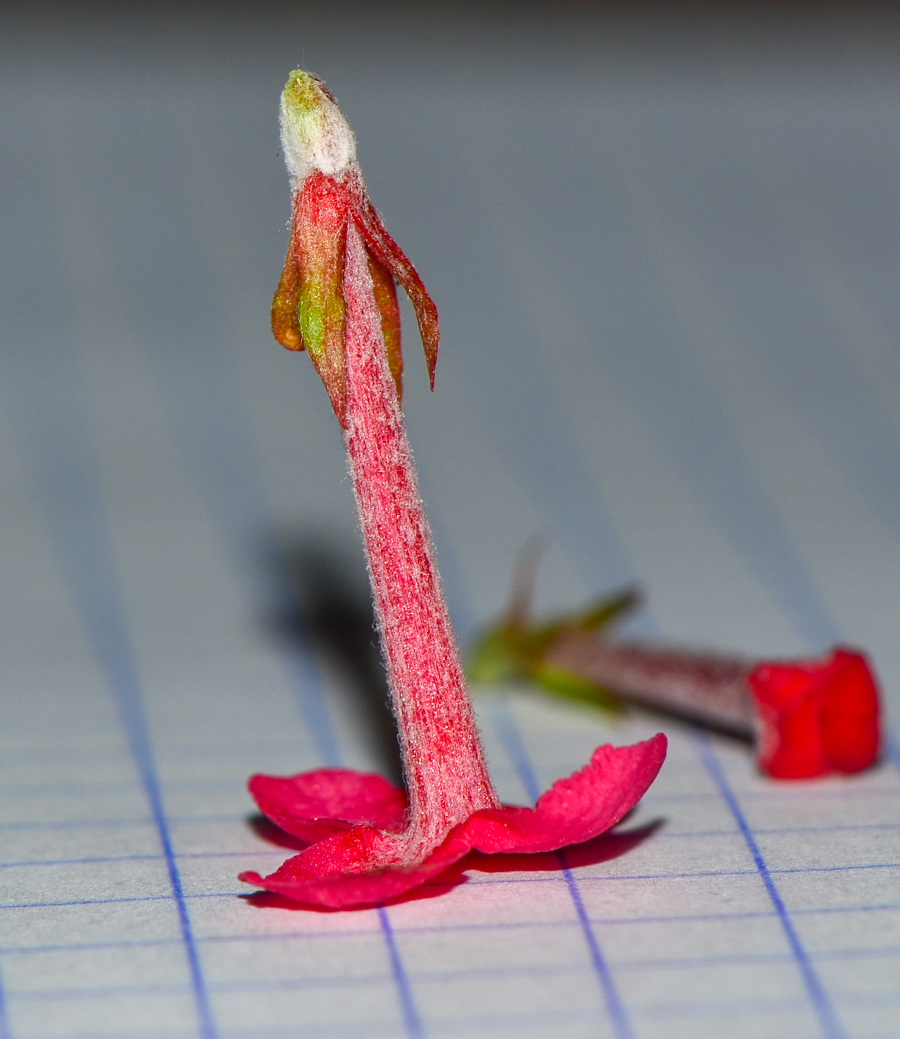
(808, 718)
(368, 840)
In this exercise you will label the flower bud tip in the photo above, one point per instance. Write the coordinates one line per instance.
(314, 133)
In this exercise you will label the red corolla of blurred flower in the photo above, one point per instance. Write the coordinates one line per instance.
(816, 716)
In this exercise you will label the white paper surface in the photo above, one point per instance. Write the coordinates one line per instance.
(669, 318)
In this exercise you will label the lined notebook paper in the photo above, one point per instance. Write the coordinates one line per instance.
(669, 312)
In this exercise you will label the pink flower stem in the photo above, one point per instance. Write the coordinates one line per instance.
(443, 761)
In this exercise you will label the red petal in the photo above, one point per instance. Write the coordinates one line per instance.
(849, 715)
(362, 865)
(331, 873)
(315, 805)
(816, 716)
(575, 809)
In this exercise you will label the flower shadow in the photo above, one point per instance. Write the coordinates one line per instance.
(322, 607)
(605, 848)
(272, 834)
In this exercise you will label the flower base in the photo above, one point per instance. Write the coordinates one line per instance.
(359, 853)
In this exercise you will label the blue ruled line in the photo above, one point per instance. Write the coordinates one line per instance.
(483, 881)
(411, 1018)
(512, 742)
(318, 720)
(59, 453)
(221, 457)
(308, 695)
(831, 1026)
(5, 1030)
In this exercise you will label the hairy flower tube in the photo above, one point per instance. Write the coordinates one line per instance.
(368, 840)
(807, 718)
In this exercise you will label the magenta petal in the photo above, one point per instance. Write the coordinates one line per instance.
(316, 805)
(575, 809)
(330, 873)
(363, 865)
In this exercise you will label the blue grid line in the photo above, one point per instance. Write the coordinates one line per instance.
(208, 415)
(663, 835)
(629, 921)
(411, 1018)
(317, 717)
(515, 748)
(90, 902)
(142, 858)
(235, 781)
(529, 1023)
(828, 1020)
(513, 879)
(70, 497)
(346, 980)
(634, 965)
(74, 823)
(342, 1031)
(711, 1008)
(436, 882)
(850, 788)
(5, 1030)
(675, 918)
(134, 943)
(354, 980)
(306, 686)
(99, 992)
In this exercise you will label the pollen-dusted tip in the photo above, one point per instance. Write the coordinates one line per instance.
(329, 196)
(314, 133)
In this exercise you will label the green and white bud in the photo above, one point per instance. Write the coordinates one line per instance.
(314, 133)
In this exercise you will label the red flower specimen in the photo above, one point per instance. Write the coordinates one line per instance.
(370, 841)
(807, 717)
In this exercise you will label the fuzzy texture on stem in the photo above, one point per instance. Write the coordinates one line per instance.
(370, 841)
(442, 758)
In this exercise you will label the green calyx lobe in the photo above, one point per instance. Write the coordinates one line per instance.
(516, 650)
(308, 311)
